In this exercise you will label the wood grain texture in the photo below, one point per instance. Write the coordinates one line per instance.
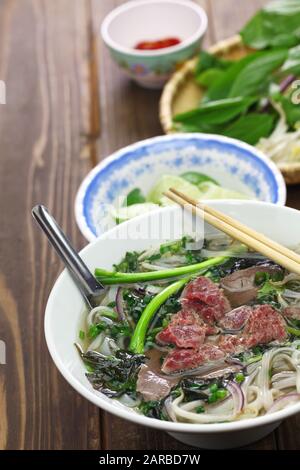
(57, 71)
(44, 128)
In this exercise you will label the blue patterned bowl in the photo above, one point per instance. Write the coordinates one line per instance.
(233, 163)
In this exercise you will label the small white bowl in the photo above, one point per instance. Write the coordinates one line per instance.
(65, 309)
(151, 20)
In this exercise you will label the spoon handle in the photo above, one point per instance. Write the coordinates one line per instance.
(90, 288)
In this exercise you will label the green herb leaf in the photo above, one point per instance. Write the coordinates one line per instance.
(208, 61)
(95, 330)
(222, 86)
(251, 127)
(208, 77)
(261, 277)
(196, 178)
(239, 378)
(291, 110)
(215, 112)
(153, 409)
(276, 25)
(81, 335)
(254, 78)
(134, 197)
(114, 375)
(129, 263)
(292, 63)
(200, 409)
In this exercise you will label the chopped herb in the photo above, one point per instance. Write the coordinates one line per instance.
(176, 392)
(200, 409)
(153, 409)
(154, 257)
(239, 378)
(129, 263)
(260, 278)
(268, 294)
(213, 388)
(173, 247)
(217, 394)
(95, 330)
(277, 275)
(81, 335)
(134, 197)
(135, 304)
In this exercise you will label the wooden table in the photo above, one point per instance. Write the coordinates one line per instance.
(67, 107)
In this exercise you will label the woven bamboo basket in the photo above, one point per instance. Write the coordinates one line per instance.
(182, 93)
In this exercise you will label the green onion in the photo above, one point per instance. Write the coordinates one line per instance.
(138, 339)
(108, 277)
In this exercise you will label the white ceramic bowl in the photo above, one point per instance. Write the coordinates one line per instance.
(65, 309)
(232, 163)
(151, 20)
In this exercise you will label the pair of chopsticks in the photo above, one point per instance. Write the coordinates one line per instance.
(235, 229)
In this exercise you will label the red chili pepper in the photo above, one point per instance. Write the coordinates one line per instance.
(160, 44)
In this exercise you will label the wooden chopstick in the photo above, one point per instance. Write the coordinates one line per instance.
(244, 228)
(254, 240)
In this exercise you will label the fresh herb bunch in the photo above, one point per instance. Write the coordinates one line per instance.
(238, 94)
(114, 375)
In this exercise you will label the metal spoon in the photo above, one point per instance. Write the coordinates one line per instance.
(88, 285)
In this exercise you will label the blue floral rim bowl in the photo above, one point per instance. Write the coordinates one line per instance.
(232, 163)
(152, 20)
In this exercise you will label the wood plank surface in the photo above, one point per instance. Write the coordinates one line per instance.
(68, 106)
(44, 60)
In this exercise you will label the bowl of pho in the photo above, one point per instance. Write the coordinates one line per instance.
(195, 334)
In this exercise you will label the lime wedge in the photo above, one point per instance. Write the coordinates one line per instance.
(212, 191)
(197, 178)
(156, 194)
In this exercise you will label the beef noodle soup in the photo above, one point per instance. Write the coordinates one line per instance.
(196, 334)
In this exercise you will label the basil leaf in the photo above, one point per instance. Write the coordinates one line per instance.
(254, 34)
(276, 25)
(208, 61)
(215, 112)
(221, 87)
(208, 77)
(292, 63)
(251, 127)
(255, 77)
(134, 197)
(291, 110)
